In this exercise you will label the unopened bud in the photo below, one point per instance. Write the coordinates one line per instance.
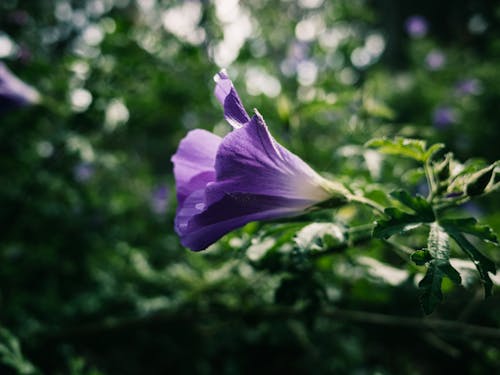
(478, 182)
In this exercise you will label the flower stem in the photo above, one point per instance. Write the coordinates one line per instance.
(367, 202)
(339, 191)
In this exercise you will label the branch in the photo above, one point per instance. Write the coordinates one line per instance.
(352, 316)
(416, 323)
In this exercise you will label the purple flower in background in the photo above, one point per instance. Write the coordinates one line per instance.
(225, 183)
(19, 17)
(83, 171)
(470, 86)
(13, 92)
(297, 53)
(423, 188)
(473, 209)
(443, 117)
(416, 26)
(24, 55)
(435, 60)
(159, 199)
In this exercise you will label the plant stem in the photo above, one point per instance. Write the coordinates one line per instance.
(430, 180)
(367, 202)
(361, 228)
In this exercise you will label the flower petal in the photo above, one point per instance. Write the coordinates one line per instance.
(249, 160)
(226, 94)
(199, 227)
(194, 162)
(14, 92)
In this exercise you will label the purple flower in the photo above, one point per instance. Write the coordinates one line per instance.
(83, 171)
(443, 117)
(470, 86)
(159, 199)
(225, 183)
(416, 26)
(435, 60)
(13, 92)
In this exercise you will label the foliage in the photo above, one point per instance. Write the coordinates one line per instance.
(10, 354)
(93, 279)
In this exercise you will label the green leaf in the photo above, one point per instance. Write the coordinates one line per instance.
(433, 150)
(400, 221)
(378, 109)
(413, 176)
(430, 286)
(417, 203)
(447, 269)
(438, 245)
(320, 236)
(470, 226)
(412, 148)
(11, 355)
(421, 257)
(482, 263)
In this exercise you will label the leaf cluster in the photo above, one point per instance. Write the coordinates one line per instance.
(450, 184)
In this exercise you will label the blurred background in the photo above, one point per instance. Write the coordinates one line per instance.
(93, 279)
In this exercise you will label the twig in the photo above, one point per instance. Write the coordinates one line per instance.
(353, 316)
(417, 323)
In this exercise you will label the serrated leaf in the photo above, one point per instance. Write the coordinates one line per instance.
(412, 148)
(320, 236)
(398, 221)
(430, 285)
(421, 257)
(438, 246)
(417, 203)
(447, 269)
(471, 226)
(482, 263)
(431, 288)
(438, 242)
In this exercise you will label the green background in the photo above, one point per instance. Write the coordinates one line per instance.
(93, 279)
